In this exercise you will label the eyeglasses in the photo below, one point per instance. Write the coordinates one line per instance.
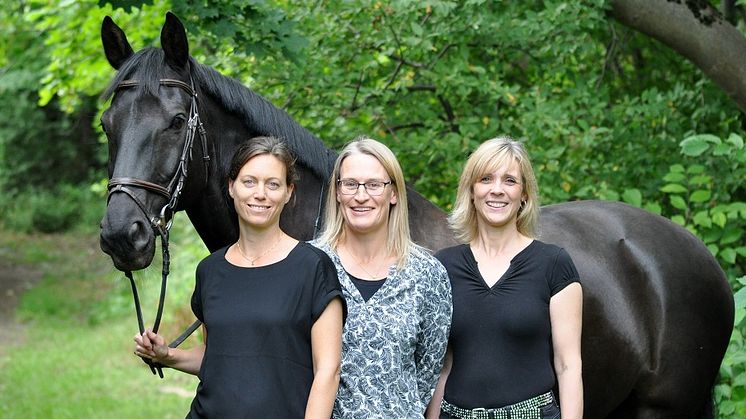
(350, 187)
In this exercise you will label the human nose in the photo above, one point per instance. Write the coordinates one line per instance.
(364, 194)
(259, 191)
(496, 188)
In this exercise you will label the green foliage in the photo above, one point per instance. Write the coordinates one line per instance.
(51, 211)
(594, 101)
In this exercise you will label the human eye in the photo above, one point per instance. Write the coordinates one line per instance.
(349, 184)
(249, 183)
(510, 181)
(374, 185)
(485, 179)
(273, 185)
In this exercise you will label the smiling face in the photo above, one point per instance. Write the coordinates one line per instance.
(362, 212)
(260, 191)
(497, 196)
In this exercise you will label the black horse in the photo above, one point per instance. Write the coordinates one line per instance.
(658, 310)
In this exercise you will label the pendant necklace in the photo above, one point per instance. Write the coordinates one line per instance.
(360, 264)
(253, 260)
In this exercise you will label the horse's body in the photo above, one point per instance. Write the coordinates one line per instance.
(658, 310)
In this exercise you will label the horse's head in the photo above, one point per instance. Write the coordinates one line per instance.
(150, 125)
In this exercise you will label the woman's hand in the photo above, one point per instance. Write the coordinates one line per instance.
(152, 346)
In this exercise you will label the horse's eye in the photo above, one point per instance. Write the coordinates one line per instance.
(178, 122)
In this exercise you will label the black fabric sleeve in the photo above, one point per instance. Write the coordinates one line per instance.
(563, 272)
(326, 286)
(197, 293)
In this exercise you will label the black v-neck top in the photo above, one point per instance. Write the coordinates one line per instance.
(501, 335)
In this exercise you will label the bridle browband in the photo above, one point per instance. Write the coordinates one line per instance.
(161, 222)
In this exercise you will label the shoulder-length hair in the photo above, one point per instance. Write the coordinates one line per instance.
(399, 241)
(487, 158)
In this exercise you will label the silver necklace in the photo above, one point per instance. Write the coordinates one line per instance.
(253, 260)
(360, 264)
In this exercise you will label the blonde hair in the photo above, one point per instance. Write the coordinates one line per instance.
(487, 158)
(399, 241)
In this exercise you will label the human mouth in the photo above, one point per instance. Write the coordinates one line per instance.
(259, 207)
(361, 209)
(496, 204)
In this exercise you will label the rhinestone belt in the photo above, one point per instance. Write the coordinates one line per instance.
(527, 409)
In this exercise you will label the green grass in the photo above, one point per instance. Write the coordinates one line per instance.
(73, 357)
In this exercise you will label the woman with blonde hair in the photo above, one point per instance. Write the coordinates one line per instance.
(517, 302)
(398, 295)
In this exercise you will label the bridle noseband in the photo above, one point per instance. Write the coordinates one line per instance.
(172, 192)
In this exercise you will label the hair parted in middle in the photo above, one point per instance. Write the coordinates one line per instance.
(399, 241)
(487, 158)
(263, 145)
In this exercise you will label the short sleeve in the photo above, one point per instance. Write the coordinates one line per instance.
(197, 294)
(563, 273)
(326, 286)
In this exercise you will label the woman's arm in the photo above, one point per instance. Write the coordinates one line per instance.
(326, 348)
(433, 409)
(152, 346)
(566, 314)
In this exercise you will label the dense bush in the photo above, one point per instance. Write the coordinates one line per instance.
(52, 211)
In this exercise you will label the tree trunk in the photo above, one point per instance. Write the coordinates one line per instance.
(695, 30)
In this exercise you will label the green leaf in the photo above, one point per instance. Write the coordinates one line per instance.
(695, 169)
(673, 188)
(654, 207)
(702, 218)
(735, 140)
(697, 144)
(740, 298)
(678, 202)
(719, 219)
(632, 197)
(721, 150)
(700, 196)
(678, 219)
(674, 177)
(728, 255)
(731, 235)
(677, 168)
(700, 180)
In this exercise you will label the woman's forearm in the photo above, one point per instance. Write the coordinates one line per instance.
(185, 360)
(323, 393)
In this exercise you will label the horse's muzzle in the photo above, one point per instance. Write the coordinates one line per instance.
(129, 240)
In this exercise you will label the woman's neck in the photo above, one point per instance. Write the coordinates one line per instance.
(365, 247)
(494, 242)
(253, 238)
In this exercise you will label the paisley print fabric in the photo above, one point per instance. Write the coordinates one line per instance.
(393, 344)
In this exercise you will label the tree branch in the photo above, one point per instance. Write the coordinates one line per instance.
(698, 32)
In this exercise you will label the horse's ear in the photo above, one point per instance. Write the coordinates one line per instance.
(174, 42)
(116, 46)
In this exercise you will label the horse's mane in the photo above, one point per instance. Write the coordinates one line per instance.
(148, 66)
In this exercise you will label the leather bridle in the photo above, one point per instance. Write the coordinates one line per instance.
(161, 222)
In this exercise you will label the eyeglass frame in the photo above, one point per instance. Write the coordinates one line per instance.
(364, 185)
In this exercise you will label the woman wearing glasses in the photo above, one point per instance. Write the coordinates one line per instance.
(398, 296)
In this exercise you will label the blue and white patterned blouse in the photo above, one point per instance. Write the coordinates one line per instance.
(393, 345)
